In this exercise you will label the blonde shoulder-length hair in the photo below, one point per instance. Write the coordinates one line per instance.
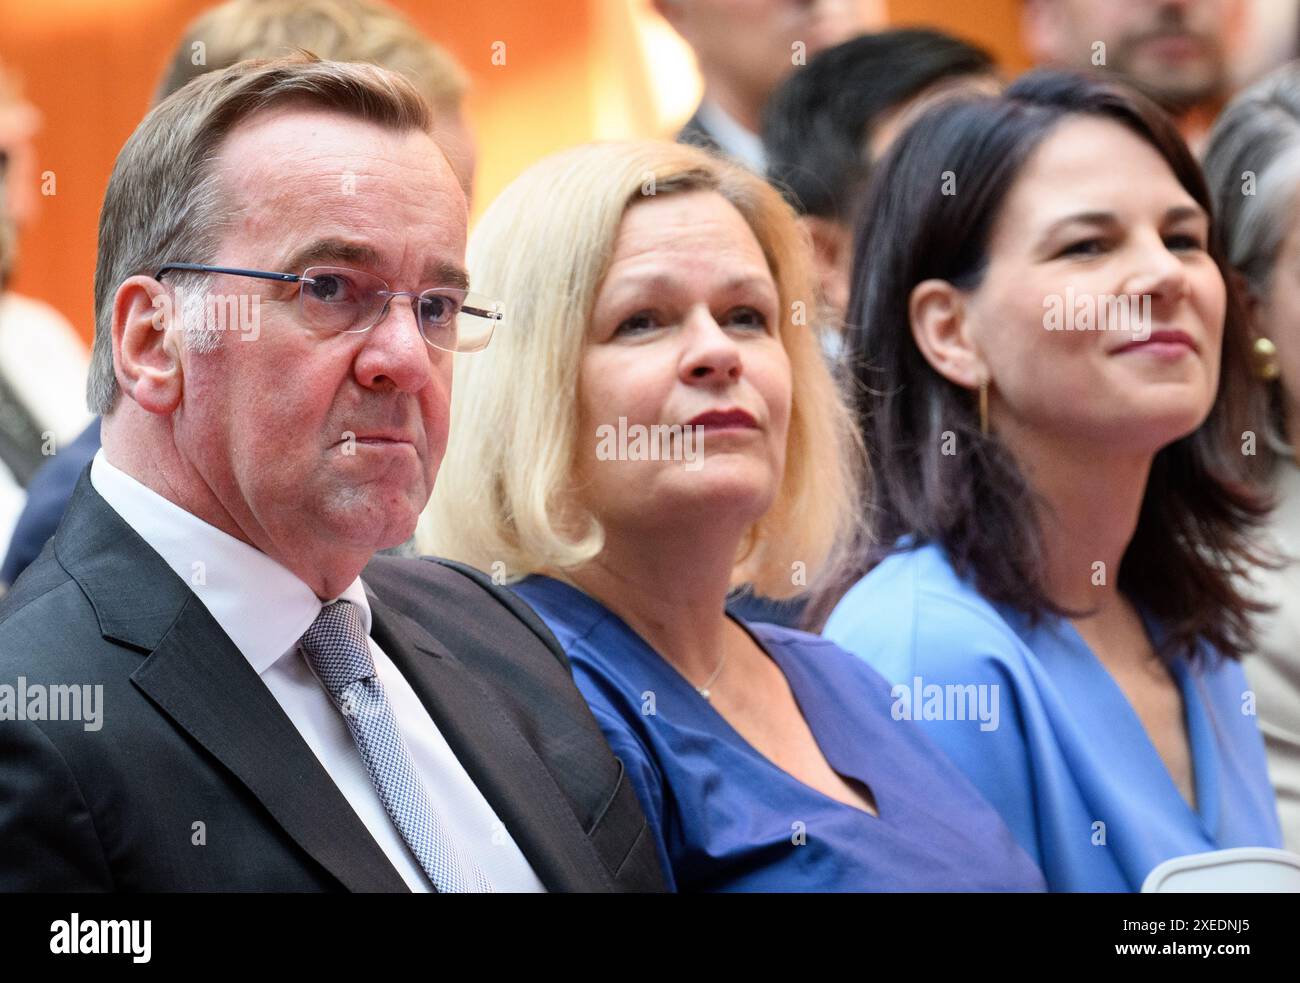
(503, 500)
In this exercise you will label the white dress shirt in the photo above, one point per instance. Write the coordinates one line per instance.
(265, 609)
(13, 498)
(734, 139)
(45, 362)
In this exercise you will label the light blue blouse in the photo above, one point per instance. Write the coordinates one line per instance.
(1042, 729)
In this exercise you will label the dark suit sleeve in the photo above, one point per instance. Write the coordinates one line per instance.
(47, 836)
(647, 782)
(517, 662)
(47, 499)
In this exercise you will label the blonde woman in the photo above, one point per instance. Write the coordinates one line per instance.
(655, 428)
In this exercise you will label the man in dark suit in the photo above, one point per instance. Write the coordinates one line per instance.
(342, 30)
(200, 688)
(744, 48)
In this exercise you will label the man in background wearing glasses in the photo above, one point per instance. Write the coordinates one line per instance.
(266, 719)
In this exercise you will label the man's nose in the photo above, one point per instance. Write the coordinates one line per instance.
(395, 353)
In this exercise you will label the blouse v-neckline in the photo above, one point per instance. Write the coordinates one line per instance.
(705, 709)
(1078, 657)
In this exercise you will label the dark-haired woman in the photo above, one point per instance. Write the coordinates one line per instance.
(1052, 374)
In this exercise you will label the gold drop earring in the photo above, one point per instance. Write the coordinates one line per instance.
(1265, 356)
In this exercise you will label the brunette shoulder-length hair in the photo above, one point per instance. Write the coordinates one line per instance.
(1193, 534)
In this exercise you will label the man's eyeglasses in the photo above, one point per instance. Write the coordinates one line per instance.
(336, 299)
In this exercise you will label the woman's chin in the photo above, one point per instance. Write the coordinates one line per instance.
(732, 492)
(1145, 430)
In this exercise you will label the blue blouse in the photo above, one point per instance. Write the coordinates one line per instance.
(1068, 764)
(726, 818)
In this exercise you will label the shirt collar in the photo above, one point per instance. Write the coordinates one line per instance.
(260, 604)
(737, 141)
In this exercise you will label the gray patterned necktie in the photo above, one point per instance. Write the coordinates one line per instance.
(337, 649)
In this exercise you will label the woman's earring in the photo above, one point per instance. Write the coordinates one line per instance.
(984, 407)
(1265, 355)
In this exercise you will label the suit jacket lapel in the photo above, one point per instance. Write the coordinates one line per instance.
(695, 134)
(495, 754)
(196, 676)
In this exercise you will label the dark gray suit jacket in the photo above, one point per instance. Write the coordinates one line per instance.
(190, 734)
(695, 134)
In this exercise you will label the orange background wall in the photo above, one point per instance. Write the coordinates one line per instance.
(573, 72)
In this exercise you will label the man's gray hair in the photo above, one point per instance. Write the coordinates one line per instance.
(164, 202)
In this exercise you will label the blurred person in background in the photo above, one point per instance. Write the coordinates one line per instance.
(744, 48)
(1053, 380)
(336, 30)
(828, 123)
(11, 492)
(1176, 52)
(43, 361)
(766, 759)
(823, 130)
(1252, 163)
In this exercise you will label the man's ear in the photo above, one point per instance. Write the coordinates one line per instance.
(938, 314)
(147, 342)
(832, 244)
